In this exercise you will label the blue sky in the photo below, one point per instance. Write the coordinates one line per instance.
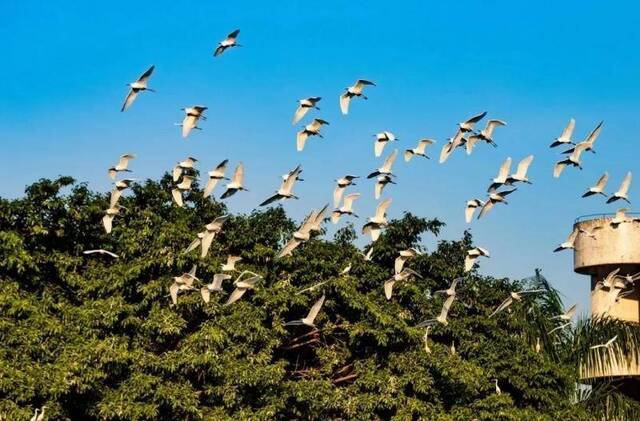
(65, 67)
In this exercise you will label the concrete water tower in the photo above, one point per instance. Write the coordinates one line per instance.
(608, 242)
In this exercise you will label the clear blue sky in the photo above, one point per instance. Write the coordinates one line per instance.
(65, 67)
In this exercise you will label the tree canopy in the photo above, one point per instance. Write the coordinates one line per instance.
(92, 337)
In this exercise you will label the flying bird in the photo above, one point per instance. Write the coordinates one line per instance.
(381, 182)
(230, 264)
(192, 116)
(606, 344)
(403, 275)
(228, 42)
(451, 290)
(404, 257)
(312, 129)
(237, 182)
(310, 224)
(447, 149)
(468, 125)
(520, 175)
(368, 255)
(568, 314)
(623, 190)
(472, 255)
(342, 183)
(418, 150)
(592, 233)
(353, 91)
(109, 214)
(180, 188)
(101, 251)
(503, 173)
(121, 166)
(442, 317)
(587, 144)
(242, 286)
(211, 231)
(471, 207)
(382, 139)
(494, 197)
(346, 208)
(304, 105)
(214, 176)
(569, 242)
(137, 87)
(565, 137)
(214, 286)
(485, 134)
(119, 187)
(378, 221)
(311, 316)
(385, 169)
(181, 283)
(286, 188)
(573, 160)
(598, 188)
(188, 164)
(513, 296)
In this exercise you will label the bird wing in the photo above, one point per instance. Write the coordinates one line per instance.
(194, 244)
(523, 167)
(388, 287)
(602, 181)
(287, 185)
(446, 306)
(145, 76)
(378, 147)
(177, 197)
(423, 143)
(469, 260)
(177, 172)
(558, 168)
(188, 123)
(238, 175)
(232, 260)
(315, 309)
(381, 210)
(218, 278)
(206, 294)
(388, 163)
(349, 199)
(107, 222)
(624, 187)
(398, 264)
(503, 173)
(173, 291)
(476, 118)
(300, 112)
(572, 236)
(491, 125)
(468, 211)
(568, 130)
(378, 189)
(115, 196)
(233, 35)
(485, 208)
(408, 154)
(572, 310)
(301, 138)
(360, 83)
(186, 182)
(235, 295)
(289, 247)
(206, 244)
(211, 184)
(271, 199)
(337, 195)
(345, 99)
(131, 96)
(591, 138)
(220, 168)
(506, 303)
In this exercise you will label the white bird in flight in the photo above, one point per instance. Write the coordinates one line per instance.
(214, 286)
(101, 251)
(606, 344)
(451, 145)
(237, 182)
(471, 207)
(623, 190)
(211, 231)
(485, 134)
(242, 286)
(381, 182)
(573, 160)
(187, 164)
(214, 176)
(587, 144)
(378, 221)
(228, 42)
(312, 129)
(468, 125)
(346, 208)
(192, 116)
(180, 188)
(286, 188)
(520, 175)
(565, 137)
(183, 282)
(353, 91)
(109, 214)
(569, 242)
(403, 275)
(309, 225)
(451, 290)
(382, 139)
(403, 257)
(494, 197)
(119, 187)
(418, 150)
(311, 316)
(304, 105)
(568, 314)
(385, 169)
(503, 173)
(342, 183)
(472, 256)
(121, 166)
(598, 188)
(137, 87)
(513, 296)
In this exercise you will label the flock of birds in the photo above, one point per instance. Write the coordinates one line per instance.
(465, 136)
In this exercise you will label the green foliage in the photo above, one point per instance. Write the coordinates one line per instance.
(92, 337)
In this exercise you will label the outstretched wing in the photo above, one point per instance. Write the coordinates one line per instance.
(624, 187)
(345, 99)
(131, 96)
(315, 309)
(381, 210)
